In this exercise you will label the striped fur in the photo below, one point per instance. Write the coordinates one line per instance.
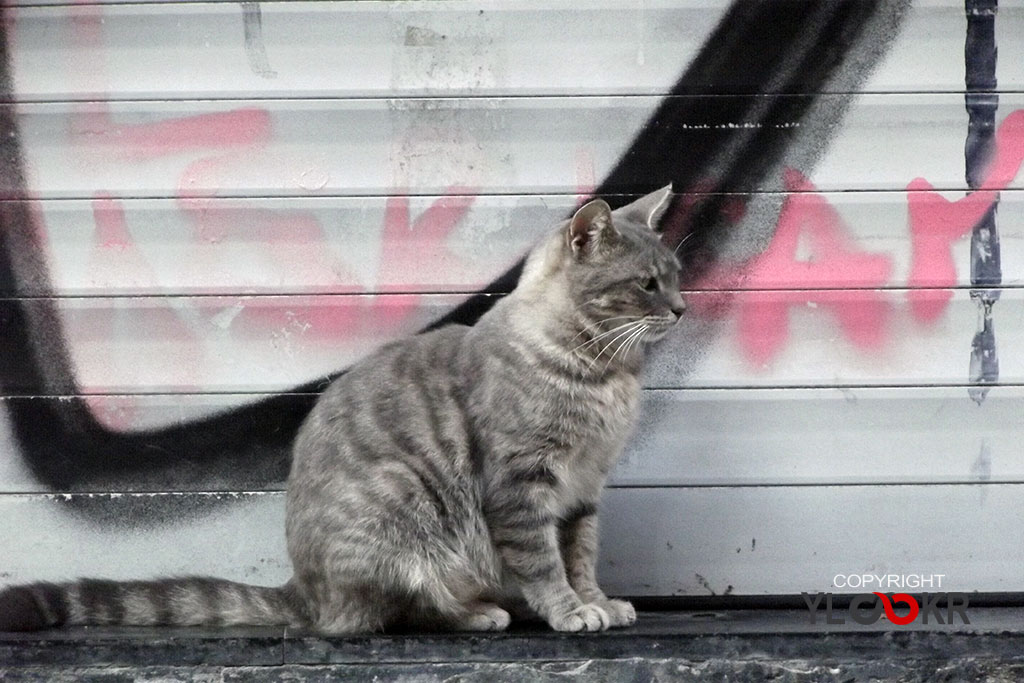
(188, 601)
(452, 476)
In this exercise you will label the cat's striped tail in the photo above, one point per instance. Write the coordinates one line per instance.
(188, 601)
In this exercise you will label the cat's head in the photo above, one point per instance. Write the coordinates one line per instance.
(620, 279)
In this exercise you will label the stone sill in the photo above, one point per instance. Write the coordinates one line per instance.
(678, 645)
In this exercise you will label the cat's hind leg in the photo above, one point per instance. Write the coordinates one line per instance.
(472, 616)
(364, 609)
(348, 623)
(480, 616)
(450, 602)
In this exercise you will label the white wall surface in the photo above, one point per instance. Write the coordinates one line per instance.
(226, 203)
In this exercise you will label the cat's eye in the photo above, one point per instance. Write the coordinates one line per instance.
(650, 285)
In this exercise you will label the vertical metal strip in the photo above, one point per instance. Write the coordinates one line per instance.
(982, 101)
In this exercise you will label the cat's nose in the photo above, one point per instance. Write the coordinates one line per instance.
(679, 308)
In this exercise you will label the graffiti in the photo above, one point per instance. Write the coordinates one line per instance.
(848, 282)
(835, 262)
(79, 445)
(407, 244)
(235, 128)
(293, 239)
(935, 222)
(185, 264)
(173, 303)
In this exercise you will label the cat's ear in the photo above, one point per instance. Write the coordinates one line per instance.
(649, 209)
(590, 227)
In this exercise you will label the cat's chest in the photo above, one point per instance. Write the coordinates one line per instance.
(611, 406)
(595, 446)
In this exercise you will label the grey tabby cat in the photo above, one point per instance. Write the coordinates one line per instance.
(453, 475)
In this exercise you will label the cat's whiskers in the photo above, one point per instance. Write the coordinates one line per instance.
(589, 326)
(607, 346)
(628, 328)
(633, 340)
(646, 329)
(603, 335)
(681, 243)
(637, 334)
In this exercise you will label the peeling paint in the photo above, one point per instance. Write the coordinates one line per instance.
(418, 36)
(224, 318)
(984, 365)
(981, 468)
(255, 50)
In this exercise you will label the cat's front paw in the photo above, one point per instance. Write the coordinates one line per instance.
(620, 613)
(589, 617)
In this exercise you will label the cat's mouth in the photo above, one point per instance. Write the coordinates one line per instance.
(654, 334)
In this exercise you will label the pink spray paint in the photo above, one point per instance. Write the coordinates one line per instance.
(408, 246)
(935, 222)
(837, 263)
(784, 281)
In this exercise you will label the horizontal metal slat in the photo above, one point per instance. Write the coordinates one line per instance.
(451, 243)
(666, 541)
(745, 339)
(713, 437)
(320, 49)
(553, 145)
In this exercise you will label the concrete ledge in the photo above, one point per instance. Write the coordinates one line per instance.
(739, 645)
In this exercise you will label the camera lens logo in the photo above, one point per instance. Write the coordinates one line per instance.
(890, 613)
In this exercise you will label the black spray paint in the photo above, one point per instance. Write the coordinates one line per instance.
(982, 101)
(255, 50)
(759, 60)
